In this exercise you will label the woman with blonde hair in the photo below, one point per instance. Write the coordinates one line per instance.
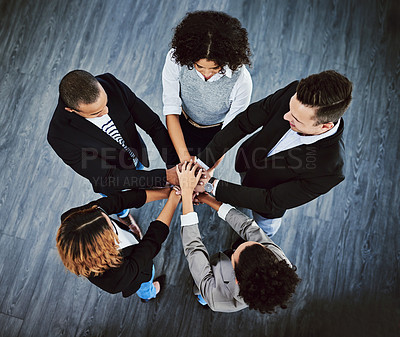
(102, 249)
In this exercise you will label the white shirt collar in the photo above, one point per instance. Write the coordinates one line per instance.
(312, 139)
(126, 239)
(217, 76)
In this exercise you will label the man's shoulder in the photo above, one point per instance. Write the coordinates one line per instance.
(60, 115)
(280, 98)
(107, 80)
(289, 90)
(113, 86)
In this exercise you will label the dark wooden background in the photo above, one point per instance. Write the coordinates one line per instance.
(346, 244)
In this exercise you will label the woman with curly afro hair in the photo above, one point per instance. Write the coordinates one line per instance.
(254, 273)
(205, 81)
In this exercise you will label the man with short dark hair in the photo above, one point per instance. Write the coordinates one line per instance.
(295, 157)
(93, 130)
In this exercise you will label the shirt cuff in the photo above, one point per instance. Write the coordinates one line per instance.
(223, 210)
(171, 111)
(202, 164)
(214, 191)
(189, 219)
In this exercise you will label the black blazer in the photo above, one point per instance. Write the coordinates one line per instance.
(137, 259)
(288, 179)
(96, 156)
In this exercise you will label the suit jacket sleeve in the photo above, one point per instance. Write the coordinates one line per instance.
(279, 198)
(136, 266)
(122, 200)
(199, 262)
(146, 249)
(149, 121)
(115, 203)
(256, 115)
(248, 229)
(103, 177)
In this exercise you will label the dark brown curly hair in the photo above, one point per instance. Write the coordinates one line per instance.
(211, 35)
(264, 281)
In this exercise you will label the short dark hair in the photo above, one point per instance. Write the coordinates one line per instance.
(329, 92)
(264, 281)
(215, 36)
(77, 87)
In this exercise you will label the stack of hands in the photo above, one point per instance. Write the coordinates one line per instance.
(189, 179)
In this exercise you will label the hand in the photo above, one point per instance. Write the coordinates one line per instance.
(177, 190)
(191, 160)
(208, 199)
(188, 177)
(172, 177)
(195, 199)
(175, 194)
(203, 197)
(188, 158)
(205, 177)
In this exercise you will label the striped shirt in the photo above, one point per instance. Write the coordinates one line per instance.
(106, 124)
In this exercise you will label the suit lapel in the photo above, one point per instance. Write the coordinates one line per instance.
(228, 275)
(270, 136)
(119, 123)
(92, 130)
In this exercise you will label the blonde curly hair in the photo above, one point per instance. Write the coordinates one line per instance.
(87, 244)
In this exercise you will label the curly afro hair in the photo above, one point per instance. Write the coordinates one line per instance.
(215, 36)
(264, 281)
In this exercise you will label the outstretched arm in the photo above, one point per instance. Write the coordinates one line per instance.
(177, 138)
(210, 201)
(248, 121)
(168, 211)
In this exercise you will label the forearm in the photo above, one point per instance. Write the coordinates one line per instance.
(122, 200)
(210, 201)
(168, 211)
(176, 135)
(196, 254)
(187, 202)
(242, 196)
(274, 200)
(157, 194)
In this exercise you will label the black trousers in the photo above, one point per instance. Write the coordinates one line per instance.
(196, 139)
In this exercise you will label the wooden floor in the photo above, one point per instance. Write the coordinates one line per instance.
(346, 244)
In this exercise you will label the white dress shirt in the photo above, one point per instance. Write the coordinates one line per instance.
(240, 95)
(106, 124)
(125, 238)
(292, 139)
(192, 219)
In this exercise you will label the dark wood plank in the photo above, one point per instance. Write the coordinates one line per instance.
(345, 244)
(10, 326)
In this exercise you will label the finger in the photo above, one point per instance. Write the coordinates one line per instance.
(198, 176)
(197, 167)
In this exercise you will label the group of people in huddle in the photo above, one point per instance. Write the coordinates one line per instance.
(295, 156)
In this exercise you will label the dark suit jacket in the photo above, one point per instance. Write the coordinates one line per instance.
(288, 179)
(137, 263)
(95, 155)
